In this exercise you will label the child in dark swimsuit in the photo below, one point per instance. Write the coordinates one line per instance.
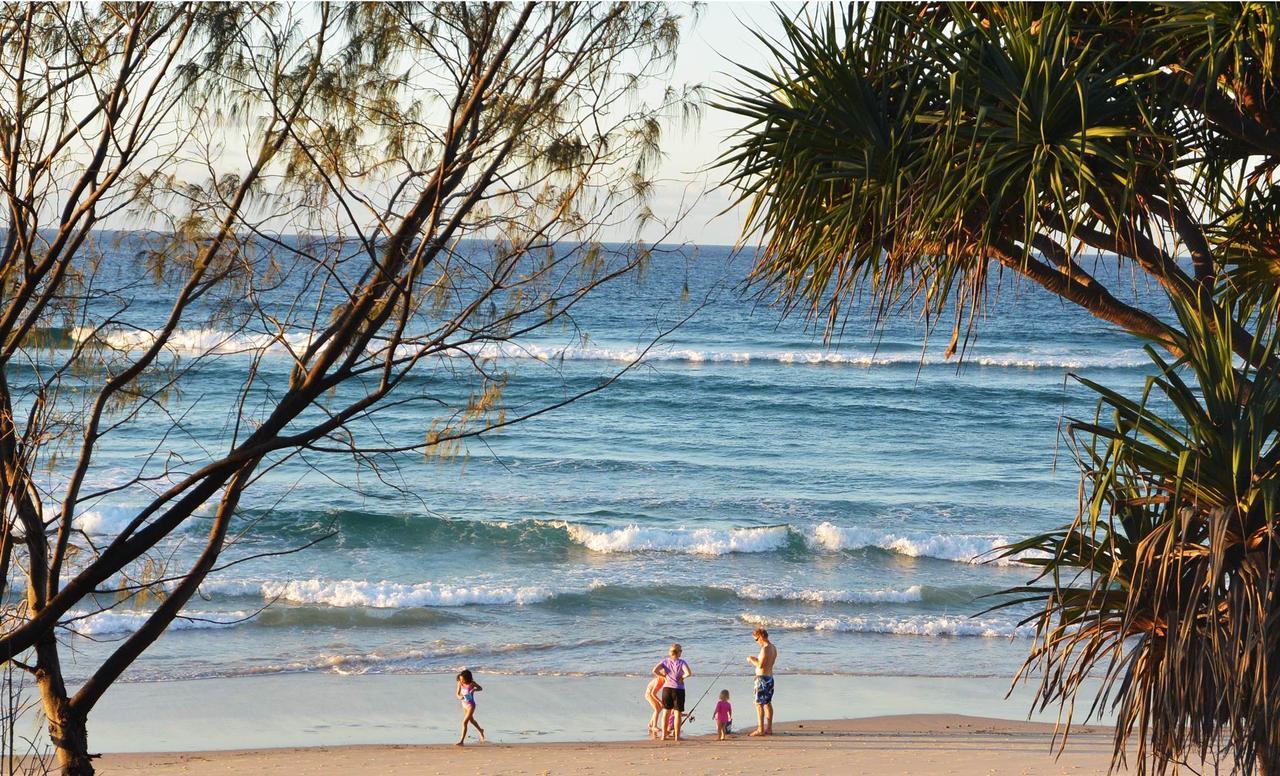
(466, 692)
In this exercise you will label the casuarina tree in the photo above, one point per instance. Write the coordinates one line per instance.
(348, 208)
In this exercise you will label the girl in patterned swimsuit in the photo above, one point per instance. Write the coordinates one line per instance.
(466, 692)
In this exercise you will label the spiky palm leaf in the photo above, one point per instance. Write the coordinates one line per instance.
(900, 150)
(1165, 586)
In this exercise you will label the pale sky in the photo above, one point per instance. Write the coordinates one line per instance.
(711, 51)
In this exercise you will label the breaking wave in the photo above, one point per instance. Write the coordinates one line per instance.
(914, 625)
(692, 541)
(224, 342)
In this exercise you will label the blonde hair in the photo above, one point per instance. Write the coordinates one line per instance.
(676, 649)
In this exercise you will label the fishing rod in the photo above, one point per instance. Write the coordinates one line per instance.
(710, 684)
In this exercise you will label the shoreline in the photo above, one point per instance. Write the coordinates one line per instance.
(330, 710)
(918, 744)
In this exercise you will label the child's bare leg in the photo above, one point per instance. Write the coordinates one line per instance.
(720, 730)
(466, 717)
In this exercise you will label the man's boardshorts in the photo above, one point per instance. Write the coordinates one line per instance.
(764, 690)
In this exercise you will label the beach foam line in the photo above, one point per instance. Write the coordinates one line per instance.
(105, 520)
(958, 547)
(124, 621)
(224, 342)
(917, 625)
(691, 541)
(912, 594)
(383, 599)
(821, 538)
(379, 595)
(634, 538)
(824, 537)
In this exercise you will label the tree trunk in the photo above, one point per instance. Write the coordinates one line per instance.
(67, 725)
(70, 740)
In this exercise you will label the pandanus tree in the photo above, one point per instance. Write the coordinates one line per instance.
(1165, 589)
(919, 156)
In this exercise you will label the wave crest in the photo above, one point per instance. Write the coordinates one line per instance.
(386, 595)
(227, 342)
(917, 625)
(960, 548)
(695, 541)
(913, 594)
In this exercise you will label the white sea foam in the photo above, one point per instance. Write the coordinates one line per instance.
(694, 541)
(121, 621)
(825, 537)
(814, 357)
(104, 520)
(110, 520)
(911, 594)
(962, 548)
(393, 595)
(917, 625)
(203, 340)
(219, 341)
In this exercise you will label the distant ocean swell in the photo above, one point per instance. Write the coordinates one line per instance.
(217, 341)
(392, 595)
(914, 625)
(383, 604)
(419, 530)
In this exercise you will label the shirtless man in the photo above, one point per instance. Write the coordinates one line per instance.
(764, 682)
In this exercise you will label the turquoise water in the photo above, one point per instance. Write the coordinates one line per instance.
(745, 475)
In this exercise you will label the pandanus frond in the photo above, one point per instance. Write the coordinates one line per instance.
(1165, 587)
(896, 149)
(916, 154)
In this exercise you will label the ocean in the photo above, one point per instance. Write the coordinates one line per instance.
(745, 474)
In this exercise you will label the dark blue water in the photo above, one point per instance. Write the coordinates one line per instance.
(744, 474)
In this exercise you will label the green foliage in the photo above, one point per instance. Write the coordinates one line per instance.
(915, 154)
(899, 149)
(1165, 586)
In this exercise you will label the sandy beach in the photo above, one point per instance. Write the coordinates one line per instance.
(924, 745)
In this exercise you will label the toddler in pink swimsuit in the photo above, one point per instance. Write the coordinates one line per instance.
(723, 715)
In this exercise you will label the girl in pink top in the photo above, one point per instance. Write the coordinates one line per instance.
(723, 715)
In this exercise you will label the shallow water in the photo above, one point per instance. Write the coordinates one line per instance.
(745, 475)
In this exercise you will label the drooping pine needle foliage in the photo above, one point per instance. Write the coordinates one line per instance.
(1166, 585)
(345, 210)
(907, 151)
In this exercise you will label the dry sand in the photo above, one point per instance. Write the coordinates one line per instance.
(917, 744)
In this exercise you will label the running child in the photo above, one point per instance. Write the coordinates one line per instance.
(466, 692)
